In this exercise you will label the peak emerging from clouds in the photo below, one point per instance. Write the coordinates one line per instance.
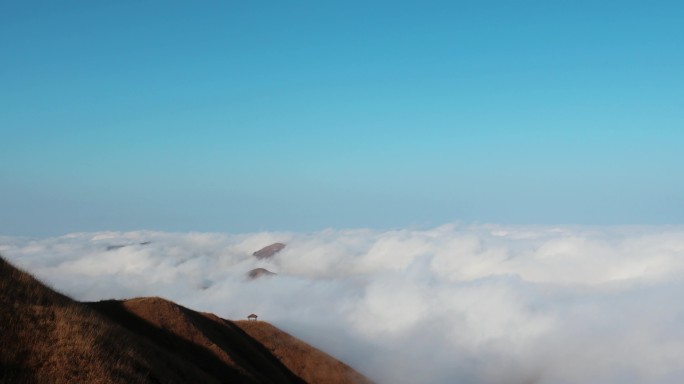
(454, 303)
(259, 272)
(269, 250)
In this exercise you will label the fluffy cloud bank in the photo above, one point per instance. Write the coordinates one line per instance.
(467, 304)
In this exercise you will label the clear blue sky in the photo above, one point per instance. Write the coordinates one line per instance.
(300, 115)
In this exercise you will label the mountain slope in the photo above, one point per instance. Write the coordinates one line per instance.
(48, 337)
(213, 344)
(311, 364)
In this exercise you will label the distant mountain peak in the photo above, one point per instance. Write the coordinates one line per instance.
(259, 272)
(119, 246)
(268, 251)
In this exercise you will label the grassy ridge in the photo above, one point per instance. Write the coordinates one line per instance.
(46, 337)
(311, 364)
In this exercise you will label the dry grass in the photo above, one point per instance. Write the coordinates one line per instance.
(215, 345)
(46, 337)
(311, 364)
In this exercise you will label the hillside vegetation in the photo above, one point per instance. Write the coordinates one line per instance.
(47, 337)
(309, 363)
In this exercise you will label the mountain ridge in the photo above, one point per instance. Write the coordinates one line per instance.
(48, 337)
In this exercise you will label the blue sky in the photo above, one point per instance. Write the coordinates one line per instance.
(243, 116)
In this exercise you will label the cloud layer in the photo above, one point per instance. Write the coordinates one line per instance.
(456, 303)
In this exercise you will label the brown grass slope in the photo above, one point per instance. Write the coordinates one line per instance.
(309, 363)
(215, 345)
(45, 337)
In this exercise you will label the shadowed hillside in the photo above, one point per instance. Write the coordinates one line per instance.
(48, 337)
(311, 364)
(215, 345)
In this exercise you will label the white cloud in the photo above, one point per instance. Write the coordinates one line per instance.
(470, 304)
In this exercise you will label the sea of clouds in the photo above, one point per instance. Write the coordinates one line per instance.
(456, 303)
